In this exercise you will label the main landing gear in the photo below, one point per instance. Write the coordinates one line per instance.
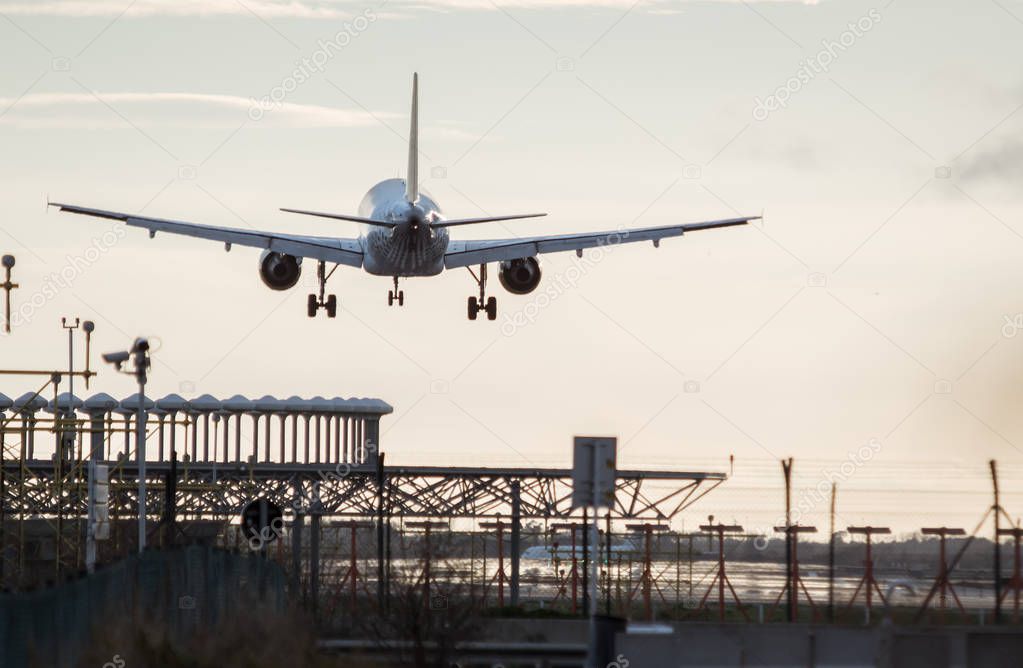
(316, 302)
(395, 295)
(482, 303)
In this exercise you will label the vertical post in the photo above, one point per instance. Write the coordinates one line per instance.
(381, 571)
(998, 552)
(790, 609)
(500, 562)
(1016, 575)
(58, 480)
(586, 561)
(607, 563)
(516, 539)
(942, 570)
(690, 566)
(647, 574)
(372, 437)
(7, 285)
(314, 559)
(266, 436)
(870, 576)
(353, 567)
(575, 572)
(95, 454)
(140, 438)
(171, 501)
(831, 556)
(296, 542)
(426, 568)
(70, 380)
(721, 572)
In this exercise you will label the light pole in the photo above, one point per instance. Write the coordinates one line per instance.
(7, 285)
(139, 353)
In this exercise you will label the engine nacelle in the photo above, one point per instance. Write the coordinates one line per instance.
(520, 277)
(278, 270)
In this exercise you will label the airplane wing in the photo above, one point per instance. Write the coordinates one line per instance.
(329, 249)
(466, 253)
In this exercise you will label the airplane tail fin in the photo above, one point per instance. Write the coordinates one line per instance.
(412, 177)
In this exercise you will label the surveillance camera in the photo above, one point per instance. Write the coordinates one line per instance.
(8, 261)
(141, 345)
(116, 359)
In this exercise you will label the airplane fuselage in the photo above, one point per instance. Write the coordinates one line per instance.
(412, 247)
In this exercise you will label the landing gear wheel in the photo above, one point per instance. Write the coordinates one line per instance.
(395, 295)
(482, 303)
(321, 300)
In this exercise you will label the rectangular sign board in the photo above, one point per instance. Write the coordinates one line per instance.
(594, 471)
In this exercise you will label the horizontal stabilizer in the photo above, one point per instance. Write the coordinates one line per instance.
(490, 219)
(342, 216)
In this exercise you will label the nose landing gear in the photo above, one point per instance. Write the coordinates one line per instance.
(395, 295)
(316, 302)
(482, 303)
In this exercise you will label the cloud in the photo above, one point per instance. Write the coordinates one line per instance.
(1002, 164)
(85, 110)
(317, 9)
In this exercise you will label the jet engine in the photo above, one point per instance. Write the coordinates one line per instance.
(520, 277)
(278, 270)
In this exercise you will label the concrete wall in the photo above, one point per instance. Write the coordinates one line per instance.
(805, 645)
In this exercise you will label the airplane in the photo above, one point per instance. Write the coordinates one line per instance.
(404, 234)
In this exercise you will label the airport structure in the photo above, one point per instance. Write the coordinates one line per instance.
(298, 492)
(207, 459)
(286, 502)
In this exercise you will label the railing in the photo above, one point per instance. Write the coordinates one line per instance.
(237, 430)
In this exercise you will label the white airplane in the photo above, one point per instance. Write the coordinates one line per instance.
(404, 234)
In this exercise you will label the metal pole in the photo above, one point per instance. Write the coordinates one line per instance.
(7, 285)
(594, 556)
(586, 562)
(607, 564)
(721, 574)
(831, 557)
(381, 573)
(140, 440)
(998, 551)
(786, 466)
(516, 539)
(314, 559)
(296, 542)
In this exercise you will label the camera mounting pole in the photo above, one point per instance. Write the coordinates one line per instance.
(139, 354)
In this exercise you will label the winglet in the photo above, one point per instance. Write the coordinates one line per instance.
(412, 176)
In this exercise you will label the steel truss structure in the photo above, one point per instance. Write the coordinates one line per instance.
(206, 459)
(211, 491)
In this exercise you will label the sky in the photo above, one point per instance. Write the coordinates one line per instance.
(871, 318)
